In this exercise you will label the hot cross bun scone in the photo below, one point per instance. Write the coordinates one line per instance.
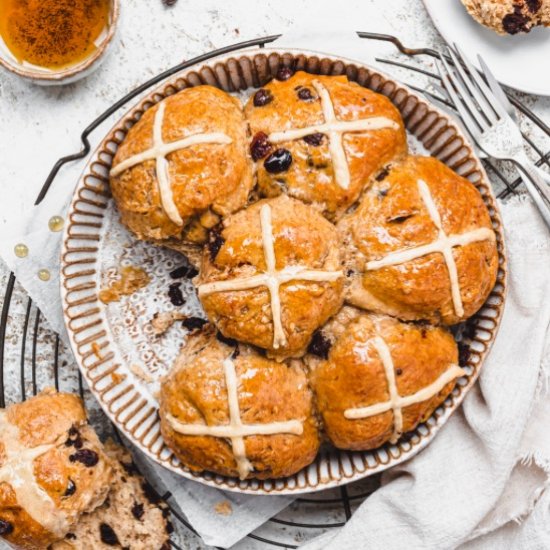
(182, 166)
(227, 409)
(132, 515)
(377, 377)
(420, 245)
(52, 469)
(271, 275)
(321, 139)
(509, 16)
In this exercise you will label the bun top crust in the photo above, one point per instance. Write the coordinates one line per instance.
(304, 101)
(388, 238)
(206, 174)
(52, 469)
(272, 275)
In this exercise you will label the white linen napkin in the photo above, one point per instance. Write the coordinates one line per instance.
(488, 468)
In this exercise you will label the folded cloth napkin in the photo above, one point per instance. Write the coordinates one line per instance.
(481, 483)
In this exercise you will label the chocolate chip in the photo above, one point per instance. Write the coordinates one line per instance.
(383, 174)
(215, 241)
(305, 94)
(533, 5)
(514, 23)
(71, 488)
(175, 295)
(194, 323)
(463, 354)
(184, 271)
(314, 139)
(279, 161)
(262, 97)
(5, 527)
(108, 536)
(399, 372)
(260, 146)
(284, 73)
(137, 510)
(225, 340)
(319, 345)
(86, 456)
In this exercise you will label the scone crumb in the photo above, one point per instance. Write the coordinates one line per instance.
(117, 378)
(223, 508)
(141, 373)
(131, 280)
(96, 349)
(162, 321)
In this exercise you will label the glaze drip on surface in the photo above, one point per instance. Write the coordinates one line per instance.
(236, 431)
(444, 244)
(271, 278)
(335, 130)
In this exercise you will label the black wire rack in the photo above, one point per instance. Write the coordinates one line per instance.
(26, 340)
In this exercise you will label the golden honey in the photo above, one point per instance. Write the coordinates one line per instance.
(53, 33)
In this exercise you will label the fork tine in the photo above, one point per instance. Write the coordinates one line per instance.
(469, 122)
(463, 105)
(476, 77)
(485, 107)
(496, 88)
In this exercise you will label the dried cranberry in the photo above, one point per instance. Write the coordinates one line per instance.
(137, 510)
(514, 23)
(320, 345)
(533, 5)
(260, 146)
(383, 174)
(305, 94)
(262, 97)
(284, 73)
(5, 527)
(184, 271)
(399, 372)
(314, 139)
(74, 439)
(194, 323)
(175, 295)
(279, 161)
(463, 354)
(108, 536)
(86, 456)
(71, 488)
(215, 242)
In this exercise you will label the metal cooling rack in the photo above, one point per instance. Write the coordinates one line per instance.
(319, 512)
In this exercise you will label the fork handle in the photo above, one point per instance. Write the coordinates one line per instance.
(537, 187)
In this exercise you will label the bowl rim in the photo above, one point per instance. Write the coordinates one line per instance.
(58, 76)
(279, 486)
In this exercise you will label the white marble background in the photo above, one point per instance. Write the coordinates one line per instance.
(39, 125)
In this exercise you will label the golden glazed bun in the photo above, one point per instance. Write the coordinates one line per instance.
(307, 168)
(271, 398)
(52, 469)
(387, 245)
(234, 275)
(204, 180)
(365, 356)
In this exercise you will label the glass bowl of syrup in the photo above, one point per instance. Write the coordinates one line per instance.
(55, 41)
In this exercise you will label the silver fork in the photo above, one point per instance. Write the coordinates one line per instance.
(489, 124)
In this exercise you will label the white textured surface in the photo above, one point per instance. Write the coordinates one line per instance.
(39, 125)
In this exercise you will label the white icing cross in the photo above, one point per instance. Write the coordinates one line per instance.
(396, 402)
(236, 431)
(335, 130)
(18, 471)
(271, 278)
(158, 152)
(444, 244)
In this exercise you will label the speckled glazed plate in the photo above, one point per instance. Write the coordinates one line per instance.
(118, 354)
